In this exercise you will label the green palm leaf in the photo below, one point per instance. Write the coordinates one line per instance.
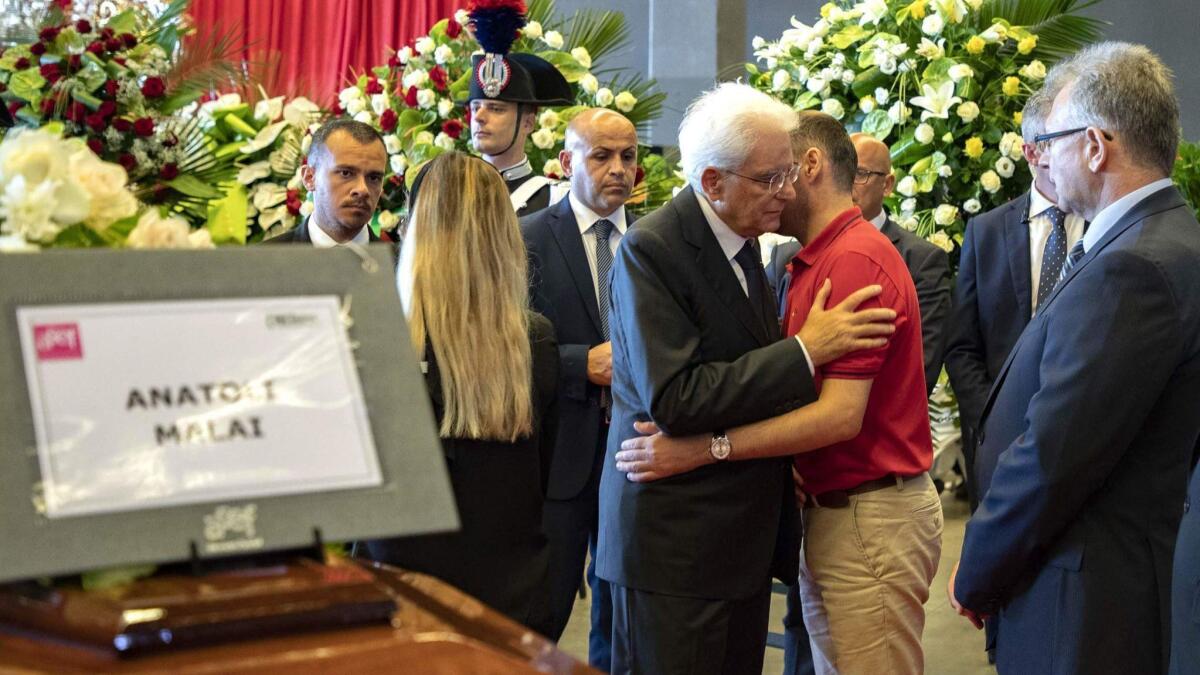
(1061, 28)
(600, 32)
(649, 99)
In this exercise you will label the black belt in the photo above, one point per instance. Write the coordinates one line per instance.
(840, 499)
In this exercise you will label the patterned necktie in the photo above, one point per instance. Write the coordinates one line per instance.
(1054, 255)
(602, 229)
(1072, 258)
(756, 281)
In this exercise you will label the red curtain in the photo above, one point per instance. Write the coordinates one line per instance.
(308, 47)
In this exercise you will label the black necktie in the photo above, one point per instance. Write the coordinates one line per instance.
(602, 229)
(1072, 258)
(1054, 255)
(756, 282)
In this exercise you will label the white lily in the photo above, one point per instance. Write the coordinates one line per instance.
(936, 102)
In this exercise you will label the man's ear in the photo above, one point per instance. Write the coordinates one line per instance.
(1098, 149)
(564, 159)
(529, 119)
(811, 162)
(712, 181)
(889, 183)
(308, 176)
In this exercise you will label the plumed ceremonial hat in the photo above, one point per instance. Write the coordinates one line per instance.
(500, 76)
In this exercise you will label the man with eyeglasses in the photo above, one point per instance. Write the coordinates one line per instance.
(695, 349)
(1088, 436)
(1011, 259)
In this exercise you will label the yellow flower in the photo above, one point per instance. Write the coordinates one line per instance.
(1027, 45)
(826, 9)
(974, 147)
(917, 9)
(975, 45)
(1017, 117)
(1011, 86)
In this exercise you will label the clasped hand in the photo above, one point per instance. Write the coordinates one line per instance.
(655, 455)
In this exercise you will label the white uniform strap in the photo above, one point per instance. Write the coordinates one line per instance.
(525, 191)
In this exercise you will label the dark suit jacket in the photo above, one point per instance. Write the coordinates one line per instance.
(299, 235)
(691, 354)
(537, 202)
(1085, 446)
(929, 267)
(561, 289)
(992, 304)
(1185, 594)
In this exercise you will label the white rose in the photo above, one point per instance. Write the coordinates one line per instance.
(443, 54)
(847, 76)
(945, 171)
(548, 119)
(758, 42)
(968, 111)
(582, 56)
(960, 71)
(154, 231)
(990, 181)
(780, 80)
(307, 207)
(355, 105)
(404, 55)
(105, 183)
(1005, 167)
(816, 84)
(1011, 144)
(881, 95)
(364, 117)
(444, 141)
(932, 25)
(202, 238)
(553, 39)
(887, 65)
(39, 159)
(399, 164)
(604, 97)
(269, 109)
(1034, 70)
(425, 45)
(543, 138)
(532, 30)
(462, 17)
(899, 113)
(941, 239)
(833, 108)
(379, 103)
(426, 99)
(972, 206)
(392, 144)
(589, 84)
(625, 101)
(445, 107)
(908, 206)
(415, 78)
(907, 186)
(349, 94)
(866, 103)
(924, 134)
(945, 214)
(28, 210)
(423, 138)
(552, 168)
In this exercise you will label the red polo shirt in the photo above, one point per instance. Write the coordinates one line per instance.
(895, 436)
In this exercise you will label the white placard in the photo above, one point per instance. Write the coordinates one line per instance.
(152, 404)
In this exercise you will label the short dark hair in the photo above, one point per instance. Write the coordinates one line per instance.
(359, 131)
(821, 131)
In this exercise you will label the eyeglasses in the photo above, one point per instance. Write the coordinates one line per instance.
(775, 181)
(1042, 141)
(863, 176)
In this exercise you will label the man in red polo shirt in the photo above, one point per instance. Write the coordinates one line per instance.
(873, 520)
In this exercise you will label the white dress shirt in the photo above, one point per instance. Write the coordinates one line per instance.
(1039, 234)
(879, 219)
(1117, 210)
(586, 219)
(731, 243)
(322, 240)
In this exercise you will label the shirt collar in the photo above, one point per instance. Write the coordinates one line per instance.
(321, 239)
(586, 218)
(1038, 203)
(731, 242)
(1112, 213)
(879, 220)
(813, 249)
(517, 171)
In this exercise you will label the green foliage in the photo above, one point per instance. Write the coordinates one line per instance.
(1187, 174)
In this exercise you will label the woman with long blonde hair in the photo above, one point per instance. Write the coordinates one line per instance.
(491, 370)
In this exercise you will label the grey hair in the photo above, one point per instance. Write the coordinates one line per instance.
(1125, 88)
(1035, 112)
(720, 127)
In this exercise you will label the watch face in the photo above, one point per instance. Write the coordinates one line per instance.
(720, 448)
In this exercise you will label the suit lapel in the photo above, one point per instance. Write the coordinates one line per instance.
(714, 266)
(566, 234)
(1016, 239)
(892, 231)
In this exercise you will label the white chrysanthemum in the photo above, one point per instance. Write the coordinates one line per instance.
(415, 78)
(847, 76)
(907, 206)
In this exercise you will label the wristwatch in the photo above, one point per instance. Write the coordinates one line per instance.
(721, 447)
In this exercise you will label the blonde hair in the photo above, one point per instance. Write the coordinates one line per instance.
(470, 296)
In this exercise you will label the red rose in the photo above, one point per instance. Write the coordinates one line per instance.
(113, 44)
(83, 26)
(453, 29)
(639, 176)
(126, 160)
(110, 87)
(169, 172)
(410, 97)
(143, 126)
(393, 61)
(96, 122)
(122, 125)
(129, 39)
(21, 64)
(95, 145)
(161, 192)
(13, 108)
(49, 33)
(467, 116)
(119, 60)
(395, 179)
(74, 62)
(452, 128)
(374, 87)
(438, 76)
(37, 48)
(76, 112)
(49, 104)
(337, 108)
(106, 33)
(107, 108)
(170, 141)
(153, 87)
(96, 48)
(387, 121)
(50, 72)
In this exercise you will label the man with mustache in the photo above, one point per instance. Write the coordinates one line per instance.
(344, 177)
(571, 247)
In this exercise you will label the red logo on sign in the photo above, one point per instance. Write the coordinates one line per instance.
(57, 341)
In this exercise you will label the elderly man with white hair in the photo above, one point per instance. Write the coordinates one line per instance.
(695, 348)
(1087, 437)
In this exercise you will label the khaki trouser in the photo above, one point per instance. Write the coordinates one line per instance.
(865, 572)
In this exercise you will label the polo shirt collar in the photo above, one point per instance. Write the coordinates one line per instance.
(812, 250)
